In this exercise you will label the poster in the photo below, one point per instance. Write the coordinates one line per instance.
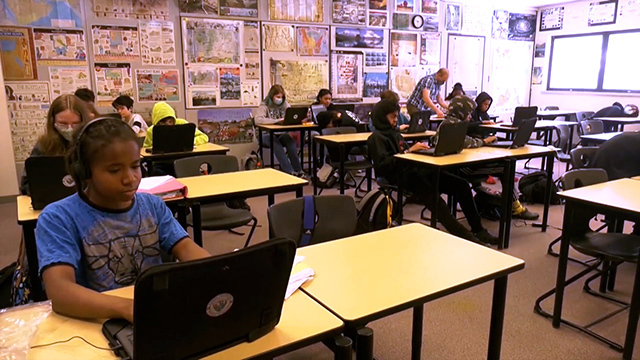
(430, 7)
(251, 35)
(312, 41)
(453, 17)
(66, 80)
(251, 94)
(202, 85)
(378, 19)
(402, 21)
(115, 43)
(349, 12)
(229, 83)
(158, 85)
(403, 81)
(157, 46)
(500, 25)
(227, 126)
(602, 12)
(404, 49)
(375, 84)
(522, 27)
(378, 4)
(202, 75)
(536, 76)
(205, 7)
(475, 16)
(51, 13)
(301, 79)
(431, 24)
(540, 50)
(112, 80)
(60, 46)
(296, 10)
(212, 41)
(252, 65)
(202, 97)
(246, 8)
(430, 49)
(359, 38)
(346, 75)
(511, 75)
(17, 56)
(405, 5)
(132, 9)
(375, 59)
(552, 18)
(278, 37)
(28, 104)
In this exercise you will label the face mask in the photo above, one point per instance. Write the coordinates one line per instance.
(278, 101)
(65, 131)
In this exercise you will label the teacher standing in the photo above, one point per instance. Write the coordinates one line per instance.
(427, 94)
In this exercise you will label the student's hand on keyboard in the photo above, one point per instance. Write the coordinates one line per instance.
(418, 146)
(490, 139)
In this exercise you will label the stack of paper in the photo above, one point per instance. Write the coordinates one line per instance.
(166, 187)
(299, 275)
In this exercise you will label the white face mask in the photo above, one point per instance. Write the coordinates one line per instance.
(278, 101)
(65, 131)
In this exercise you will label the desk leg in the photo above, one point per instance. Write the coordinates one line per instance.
(497, 317)
(314, 175)
(309, 150)
(28, 231)
(182, 214)
(271, 155)
(507, 203)
(260, 143)
(547, 195)
(271, 199)
(436, 191)
(634, 312)
(416, 335)
(400, 192)
(567, 221)
(302, 150)
(343, 348)
(196, 216)
(342, 151)
(364, 344)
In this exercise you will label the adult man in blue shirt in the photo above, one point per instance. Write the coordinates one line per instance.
(427, 94)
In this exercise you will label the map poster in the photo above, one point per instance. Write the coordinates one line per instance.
(346, 75)
(404, 49)
(350, 12)
(158, 85)
(132, 9)
(227, 126)
(312, 41)
(278, 37)
(115, 43)
(112, 80)
(212, 41)
(157, 45)
(230, 83)
(302, 79)
(205, 7)
(246, 8)
(18, 60)
(28, 104)
(60, 46)
(68, 79)
(51, 13)
(251, 35)
(251, 94)
(296, 10)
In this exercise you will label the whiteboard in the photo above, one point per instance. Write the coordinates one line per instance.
(465, 61)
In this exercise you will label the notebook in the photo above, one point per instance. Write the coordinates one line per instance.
(195, 308)
(450, 139)
(173, 138)
(295, 115)
(49, 180)
(522, 136)
(419, 122)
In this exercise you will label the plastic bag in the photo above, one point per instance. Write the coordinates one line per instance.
(18, 326)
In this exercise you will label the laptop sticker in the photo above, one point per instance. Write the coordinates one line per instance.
(220, 304)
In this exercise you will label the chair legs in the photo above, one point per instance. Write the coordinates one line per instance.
(253, 229)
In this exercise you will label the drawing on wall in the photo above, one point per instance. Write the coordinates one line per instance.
(295, 10)
(301, 79)
(536, 76)
(346, 75)
(430, 49)
(375, 84)
(404, 5)
(378, 4)
(500, 24)
(404, 49)
(227, 126)
(28, 104)
(350, 12)
(212, 41)
(132, 9)
(431, 24)
(251, 35)
(60, 46)
(453, 17)
(202, 75)
(66, 80)
(251, 94)
(430, 7)
(378, 19)
(402, 21)
(229, 83)
(206, 7)
(246, 8)
(252, 65)
(278, 37)
(158, 85)
(540, 50)
(18, 60)
(115, 42)
(511, 72)
(200, 97)
(602, 12)
(359, 38)
(552, 18)
(403, 81)
(52, 13)
(522, 27)
(157, 46)
(312, 41)
(375, 59)
(112, 80)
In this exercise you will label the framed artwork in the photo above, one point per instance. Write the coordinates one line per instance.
(552, 18)
(453, 17)
(602, 13)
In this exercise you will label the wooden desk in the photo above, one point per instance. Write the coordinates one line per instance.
(552, 114)
(619, 122)
(28, 218)
(273, 128)
(618, 199)
(236, 185)
(403, 268)
(303, 322)
(546, 126)
(597, 139)
(204, 149)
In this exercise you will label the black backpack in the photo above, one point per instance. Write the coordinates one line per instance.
(489, 203)
(532, 188)
(376, 211)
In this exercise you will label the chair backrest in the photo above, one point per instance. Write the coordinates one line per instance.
(582, 157)
(591, 127)
(583, 177)
(584, 115)
(336, 218)
(205, 165)
(563, 133)
(552, 107)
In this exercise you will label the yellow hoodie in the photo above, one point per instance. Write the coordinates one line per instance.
(162, 110)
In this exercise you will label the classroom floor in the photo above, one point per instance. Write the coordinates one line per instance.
(457, 326)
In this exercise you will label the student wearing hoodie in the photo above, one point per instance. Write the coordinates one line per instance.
(164, 114)
(480, 115)
(386, 141)
(462, 108)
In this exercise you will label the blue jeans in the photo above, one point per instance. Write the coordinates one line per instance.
(289, 161)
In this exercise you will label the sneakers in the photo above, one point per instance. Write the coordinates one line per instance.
(526, 215)
(486, 237)
(301, 175)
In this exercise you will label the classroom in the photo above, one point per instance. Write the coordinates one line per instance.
(328, 131)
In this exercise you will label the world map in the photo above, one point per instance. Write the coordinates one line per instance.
(51, 13)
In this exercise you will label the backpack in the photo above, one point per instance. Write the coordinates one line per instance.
(252, 161)
(376, 211)
(532, 188)
(326, 176)
(6, 285)
(489, 203)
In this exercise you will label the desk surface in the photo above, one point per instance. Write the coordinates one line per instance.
(274, 127)
(204, 148)
(600, 137)
(376, 274)
(466, 156)
(619, 120)
(540, 124)
(25, 210)
(362, 137)
(302, 318)
(622, 194)
(239, 182)
(545, 113)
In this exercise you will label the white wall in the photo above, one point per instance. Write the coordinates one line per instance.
(8, 174)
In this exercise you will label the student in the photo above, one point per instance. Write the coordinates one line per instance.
(386, 141)
(105, 235)
(271, 111)
(461, 109)
(426, 94)
(456, 91)
(89, 98)
(124, 106)
(163, 114)
(480, 115)
(616, 110)
(331, 117)
(403, 120)
(67, 112)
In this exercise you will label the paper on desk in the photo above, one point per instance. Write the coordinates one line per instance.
(151, 182)
(299, 275)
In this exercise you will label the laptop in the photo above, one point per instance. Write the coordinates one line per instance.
(49, 180)
(317, 109)
(173, 138)
(295, 115)
(521, 113)
(419, 122)
(450, 139)
(526, 128)
(195, 308)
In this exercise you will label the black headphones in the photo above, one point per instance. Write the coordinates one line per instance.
(80, 168)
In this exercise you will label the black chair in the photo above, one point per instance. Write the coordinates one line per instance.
(562, 144)
(216, 216)
(551, 107)
(336, 218)
(582, 157)
(588, 127)
(349, 165)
